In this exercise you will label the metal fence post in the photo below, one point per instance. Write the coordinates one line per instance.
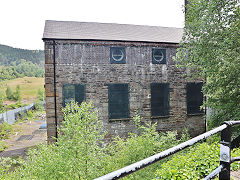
(225, 152)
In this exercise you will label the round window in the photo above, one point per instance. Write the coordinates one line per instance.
(158, 55)
(117, 54)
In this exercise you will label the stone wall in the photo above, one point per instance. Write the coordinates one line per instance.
(88, 62)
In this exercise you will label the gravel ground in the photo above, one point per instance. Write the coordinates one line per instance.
(28, 135)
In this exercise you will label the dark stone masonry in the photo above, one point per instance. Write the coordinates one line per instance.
(88, 62)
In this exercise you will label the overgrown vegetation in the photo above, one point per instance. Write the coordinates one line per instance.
(5, 131)
(15, 96)
(197, 163)
(21, 68)
(80, 152)
(210, 49)
(8, 164)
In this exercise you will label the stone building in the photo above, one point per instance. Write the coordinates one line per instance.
(121, 69)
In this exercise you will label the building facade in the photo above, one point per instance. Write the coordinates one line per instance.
(121, 69)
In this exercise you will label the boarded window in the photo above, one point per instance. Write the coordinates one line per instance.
(194, 98)
(73, 92)
(159, 99)
(118, 101)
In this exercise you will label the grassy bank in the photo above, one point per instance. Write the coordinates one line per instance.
(29, 87)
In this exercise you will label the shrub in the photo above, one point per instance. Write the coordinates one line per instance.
(15, 106)
(80, 154)
(3, 145)
(77, 153)
(41, 94)
(38, 105)
(5, 130)
(15, 96)
(30, 113)
(9, 93)
(197, 163)
(7, 164)
(144, 142)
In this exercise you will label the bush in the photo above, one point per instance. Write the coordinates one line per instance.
(15, 106)
(79, 153)
(3, 145)
(41, 94)
(2, 109)
(7, 164)
(15, 96)
(5, 131)
(197, 163)
(140, 146)
(9, 93)
(38, 105)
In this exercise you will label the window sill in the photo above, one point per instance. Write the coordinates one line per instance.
(157, 117)
(196, 114)
(123, 119)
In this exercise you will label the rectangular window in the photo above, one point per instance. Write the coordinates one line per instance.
(194, 98)
(72, 92)
(118, 101)
(159, 99)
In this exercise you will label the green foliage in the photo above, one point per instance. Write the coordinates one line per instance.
(2, 98)
(17, 63)
(79, 153)
(9, 93)
(137, 147)
(38, 105)
(15, 96)
(21, 68)
(3, 145)
(197, 163)
(210, 49)
(5, 130)
(7, 164)
(30, 114)
(41, 94)
(9, 54)
(14, 106)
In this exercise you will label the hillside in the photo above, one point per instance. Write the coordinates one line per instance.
(17, 63)
(9, 54)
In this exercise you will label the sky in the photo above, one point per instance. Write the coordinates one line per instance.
(22, 21)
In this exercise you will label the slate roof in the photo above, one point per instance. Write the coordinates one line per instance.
(70, 30)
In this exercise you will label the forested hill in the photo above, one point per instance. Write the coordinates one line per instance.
(17, 63)
(9, 54)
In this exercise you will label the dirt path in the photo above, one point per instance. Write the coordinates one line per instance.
(29, 134)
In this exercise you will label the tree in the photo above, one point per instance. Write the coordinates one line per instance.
(9, 93)
(17, 94)
(210, 48)
(1, 102)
